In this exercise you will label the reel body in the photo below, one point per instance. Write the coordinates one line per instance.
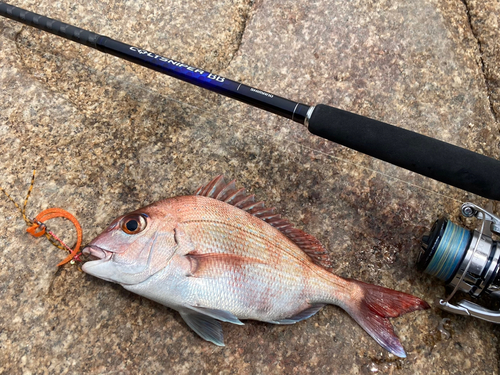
(466, 260)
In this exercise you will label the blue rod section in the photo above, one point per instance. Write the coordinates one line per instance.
(199, 77)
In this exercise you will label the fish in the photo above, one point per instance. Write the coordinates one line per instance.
(220, 255)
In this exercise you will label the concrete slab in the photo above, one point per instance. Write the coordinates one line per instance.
(108, 137)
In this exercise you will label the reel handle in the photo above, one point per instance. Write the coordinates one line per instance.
(427, 156)
(469, 308)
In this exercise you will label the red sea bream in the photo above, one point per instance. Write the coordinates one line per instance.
(218, 255)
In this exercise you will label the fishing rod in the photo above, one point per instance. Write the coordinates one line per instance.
(427, 156)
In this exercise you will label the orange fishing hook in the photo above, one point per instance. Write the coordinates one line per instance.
(38, 228)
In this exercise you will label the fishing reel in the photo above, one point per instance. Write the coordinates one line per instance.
(466, 260)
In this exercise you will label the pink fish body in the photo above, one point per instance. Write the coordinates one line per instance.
(220, 256)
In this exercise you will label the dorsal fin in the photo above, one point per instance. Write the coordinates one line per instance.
(227, 192)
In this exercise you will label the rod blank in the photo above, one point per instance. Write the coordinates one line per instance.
(441, 161)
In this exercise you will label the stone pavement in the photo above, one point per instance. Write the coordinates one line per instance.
(107, 137)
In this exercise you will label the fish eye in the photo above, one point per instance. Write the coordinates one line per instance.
(133, 224)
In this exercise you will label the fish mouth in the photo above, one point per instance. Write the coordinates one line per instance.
(96, 253)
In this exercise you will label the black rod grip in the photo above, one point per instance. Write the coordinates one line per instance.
(50, 25)
(427, 156)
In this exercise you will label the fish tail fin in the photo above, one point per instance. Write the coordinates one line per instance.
(372, 306)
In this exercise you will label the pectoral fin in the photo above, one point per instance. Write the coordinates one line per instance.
(207, 327)
(214, 265)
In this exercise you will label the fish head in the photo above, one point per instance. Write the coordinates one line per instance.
(133, 247)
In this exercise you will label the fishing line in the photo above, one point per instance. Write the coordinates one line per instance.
(449, 252)
(38, 228)
(427, 156)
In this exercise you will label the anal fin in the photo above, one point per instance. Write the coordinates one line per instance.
(304, 314)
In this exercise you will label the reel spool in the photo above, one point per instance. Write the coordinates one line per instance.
(465, 260)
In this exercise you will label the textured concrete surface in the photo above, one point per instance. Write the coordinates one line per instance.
(107, 137)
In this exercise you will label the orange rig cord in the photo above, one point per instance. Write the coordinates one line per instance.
(38, 229)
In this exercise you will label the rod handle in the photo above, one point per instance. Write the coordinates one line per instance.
(50, 25)
(427, 156)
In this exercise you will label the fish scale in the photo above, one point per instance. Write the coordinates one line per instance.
(249, 230)
(219, 255)
(256, 241)
(267, 275)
